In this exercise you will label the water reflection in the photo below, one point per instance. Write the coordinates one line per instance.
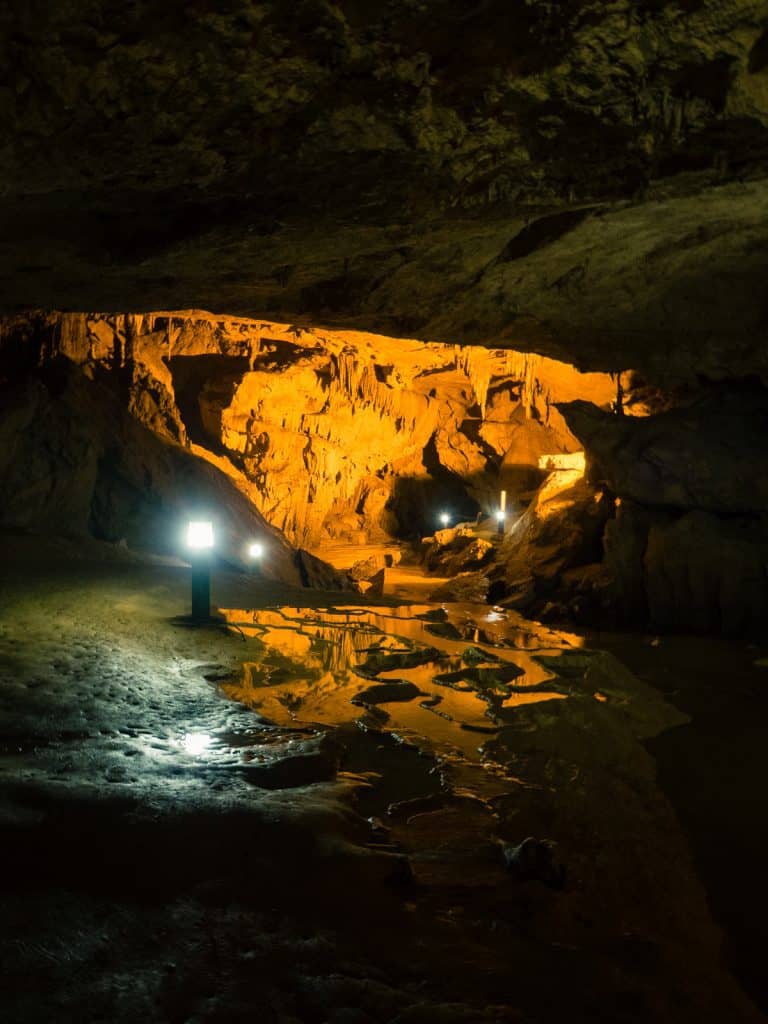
(314, 662)
(196, 743)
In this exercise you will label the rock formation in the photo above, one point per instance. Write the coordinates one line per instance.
(329, 434)
(550, 181)
(689, 540)
(588, 180)
(668, 528)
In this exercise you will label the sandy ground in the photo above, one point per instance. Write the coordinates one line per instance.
(315, 814)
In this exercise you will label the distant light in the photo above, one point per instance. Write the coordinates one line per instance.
(196, 742)
(501, 515)
(256, 550)
(200, 535)
(445, 518)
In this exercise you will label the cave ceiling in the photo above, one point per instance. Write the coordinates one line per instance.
(587, 180)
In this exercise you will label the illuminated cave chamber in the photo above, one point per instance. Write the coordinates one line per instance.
(345, 436)
(322, 437)
(332, 435)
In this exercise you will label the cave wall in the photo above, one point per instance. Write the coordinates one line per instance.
(74, 461)
(331, 434)
(665, 528)
(112, 422)
(585, 179)
(687, 543)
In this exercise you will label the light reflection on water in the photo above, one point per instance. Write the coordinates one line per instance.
(315, 661)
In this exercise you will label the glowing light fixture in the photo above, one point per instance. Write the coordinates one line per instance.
(196, 742)
(256, 550)
(199, 535)
(445, 518)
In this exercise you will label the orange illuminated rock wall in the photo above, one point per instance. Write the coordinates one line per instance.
(332, 434)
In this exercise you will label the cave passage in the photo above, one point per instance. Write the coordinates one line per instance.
(401, 712)
(420, 352)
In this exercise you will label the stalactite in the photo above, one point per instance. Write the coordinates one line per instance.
(476, 363)
(313, 429)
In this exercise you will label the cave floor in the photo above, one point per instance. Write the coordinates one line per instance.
(314, 811)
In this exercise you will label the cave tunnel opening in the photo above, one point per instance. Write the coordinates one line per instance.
(203, 385)
(420, 502)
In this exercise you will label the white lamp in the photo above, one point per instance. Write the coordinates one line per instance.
(199, 535)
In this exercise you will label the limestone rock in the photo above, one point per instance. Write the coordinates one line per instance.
(580, 182)
(332, 435)
(375, 584)
(710, 455)
(367, 567)
(74, 461)
(560, 531)
(707, 574)
(686, 546)
(467, 586)
(316, 573)
(465, 554)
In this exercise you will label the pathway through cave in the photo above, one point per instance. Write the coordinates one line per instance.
(324, 808)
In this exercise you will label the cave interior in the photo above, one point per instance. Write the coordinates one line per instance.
(450, 319)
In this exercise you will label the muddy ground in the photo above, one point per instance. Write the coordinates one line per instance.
(317, 812)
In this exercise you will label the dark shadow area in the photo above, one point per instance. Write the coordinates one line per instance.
(713, 770)
(542, 232)
(418, 501)
(208, 379)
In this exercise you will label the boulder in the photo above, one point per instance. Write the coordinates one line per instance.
(316, 573)
(710, 455)
(475, 555)
(562, 530)
(374, 586)
(469, 587)
(367, 567)
(686, 547)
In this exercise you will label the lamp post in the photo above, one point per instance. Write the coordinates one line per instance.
(200, 543)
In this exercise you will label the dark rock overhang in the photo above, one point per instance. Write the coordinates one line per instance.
(587, 182)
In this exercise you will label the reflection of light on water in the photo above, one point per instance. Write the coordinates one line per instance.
(196, 743)
(308, 670)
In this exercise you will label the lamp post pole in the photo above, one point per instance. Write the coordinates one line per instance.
(201, 586)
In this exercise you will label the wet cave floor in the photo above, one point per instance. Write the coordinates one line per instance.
(327, 810)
